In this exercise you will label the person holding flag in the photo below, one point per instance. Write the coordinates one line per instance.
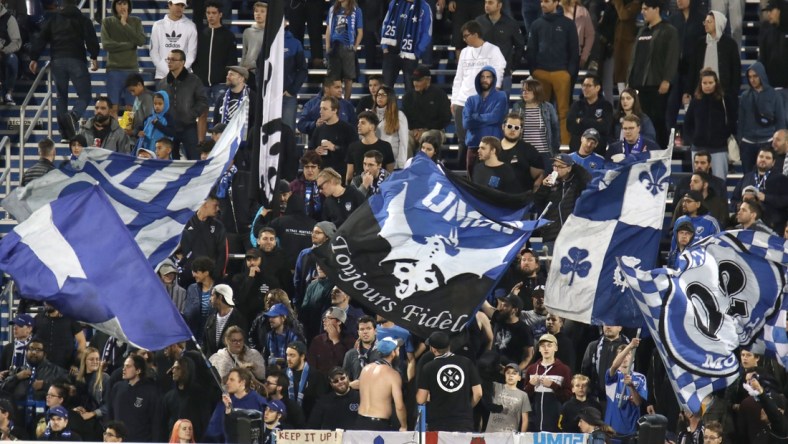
(625, 391)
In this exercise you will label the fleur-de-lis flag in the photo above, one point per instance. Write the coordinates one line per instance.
(619, 214)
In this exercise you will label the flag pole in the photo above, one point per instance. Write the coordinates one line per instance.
(629, 370)
(211, 368)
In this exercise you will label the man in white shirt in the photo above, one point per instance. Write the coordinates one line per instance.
(174, 31)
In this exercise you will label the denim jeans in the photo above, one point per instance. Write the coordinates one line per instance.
(116, 89)
(187, 138)
(66, 70)
(289, 108)
(10, 72)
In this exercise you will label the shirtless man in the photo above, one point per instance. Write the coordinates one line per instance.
(379, 384)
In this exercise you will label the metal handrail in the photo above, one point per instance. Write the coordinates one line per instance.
(46, 70)
(6, 176)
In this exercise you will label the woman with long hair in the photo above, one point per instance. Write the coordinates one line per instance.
(580, 16)
(237, 354)
(590, 421)
(393, 126)
(708, 123)
(182, 432)
(629, 104)
(92, 386)
(540, 121)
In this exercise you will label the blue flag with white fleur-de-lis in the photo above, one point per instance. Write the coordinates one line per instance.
(619, 214)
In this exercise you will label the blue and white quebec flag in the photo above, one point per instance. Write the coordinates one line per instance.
(731, 294)
(424, 252)
(76, 254)
(619, 214)
(154, 198)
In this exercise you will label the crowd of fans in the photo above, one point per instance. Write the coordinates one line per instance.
(285, 340)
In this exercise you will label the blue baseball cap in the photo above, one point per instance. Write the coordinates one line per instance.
(277, 310)
(386, 345)
(23, 320)
(566, 159)
(59, 411)
(277, 406)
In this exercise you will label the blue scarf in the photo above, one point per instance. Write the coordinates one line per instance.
(633, 149)
(225, 181)
(312, 198)
(403, 19)
(299, 397)
(151, 133)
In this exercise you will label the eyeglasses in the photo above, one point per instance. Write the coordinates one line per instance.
(35, 349)
(382, 94)
(513, 127)
(236, 341)
(320, 186)
(49, 395)
(170, 59)
(466, 35)
(110, 435)
(270, 383)
(338, 379)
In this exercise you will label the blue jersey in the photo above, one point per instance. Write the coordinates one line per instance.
(344, 28)
(705, 225)
(591, 162)
(623, 417)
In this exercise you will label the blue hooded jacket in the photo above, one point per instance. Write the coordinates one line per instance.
(484, 116)
(156, 130)
(295, 69)
(768, 103)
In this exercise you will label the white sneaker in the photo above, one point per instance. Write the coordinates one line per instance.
(9, 100)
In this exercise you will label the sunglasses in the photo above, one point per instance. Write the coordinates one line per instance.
(513, 127)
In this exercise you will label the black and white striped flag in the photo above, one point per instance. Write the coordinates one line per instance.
(270, 87)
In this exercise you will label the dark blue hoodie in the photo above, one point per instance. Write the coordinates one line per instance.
(484, 116)
(768, 104)
(552, 44)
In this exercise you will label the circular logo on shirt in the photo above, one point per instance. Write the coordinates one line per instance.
(450, 378)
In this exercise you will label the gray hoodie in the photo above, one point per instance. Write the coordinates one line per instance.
(11, 42)
(754, 106)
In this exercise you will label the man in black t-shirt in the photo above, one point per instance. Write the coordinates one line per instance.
(332, 138)
(452, 385)
(367, 124)
(491, 171)
(512, 338)
(340, 200)
(525, 161)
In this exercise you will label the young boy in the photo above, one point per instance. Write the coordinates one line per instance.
(156, 124)
(343, 35)
(572, 408)
(143, 104)
(625, 391)
(514, 417)
(547, 384)
(253, 40)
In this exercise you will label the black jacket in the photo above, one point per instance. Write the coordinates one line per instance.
(773, 49)
(204, 238)
(430, 109)
(598, 116)
(294, 230)
(729, 62)
(190, 402)
(187, 98)
(506, 35)
(210, 344)
(563, 196)
(69, 33)
(708, 124)
(216, 49)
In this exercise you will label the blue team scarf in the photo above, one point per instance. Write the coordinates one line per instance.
(225, 181)
(301, 384)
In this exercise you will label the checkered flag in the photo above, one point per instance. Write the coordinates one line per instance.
(728, 294)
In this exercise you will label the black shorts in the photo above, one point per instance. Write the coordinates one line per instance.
(374, 424)
(342, 63)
